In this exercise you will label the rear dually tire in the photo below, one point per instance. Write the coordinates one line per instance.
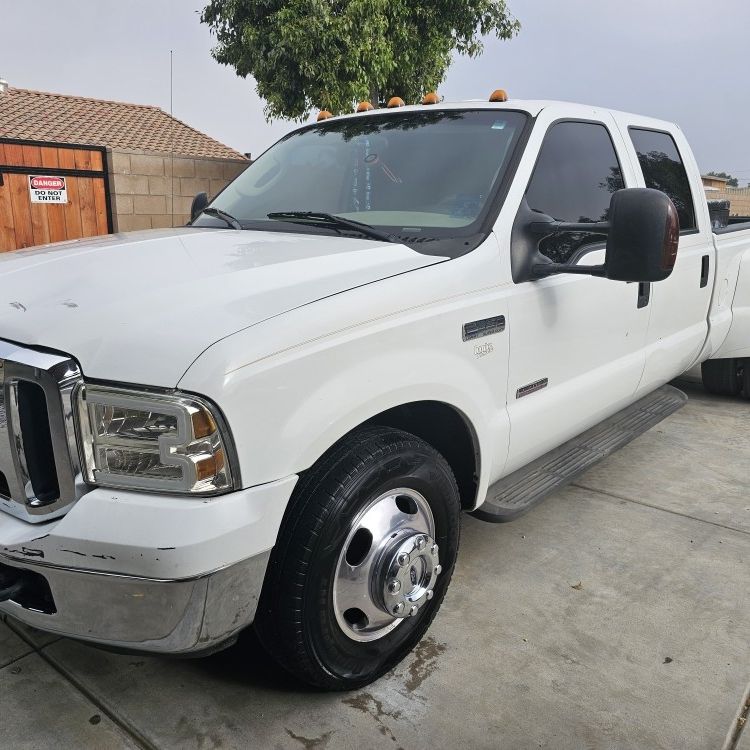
(723, 377)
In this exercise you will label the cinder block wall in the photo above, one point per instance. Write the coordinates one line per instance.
(142, 186)
(739, 199)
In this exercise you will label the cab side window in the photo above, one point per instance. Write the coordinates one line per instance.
(663, 170)
(575, 175)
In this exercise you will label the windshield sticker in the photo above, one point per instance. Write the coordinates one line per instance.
(466, 206)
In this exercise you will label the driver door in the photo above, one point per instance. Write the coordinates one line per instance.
(577, 343)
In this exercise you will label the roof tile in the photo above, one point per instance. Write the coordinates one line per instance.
(38, 115)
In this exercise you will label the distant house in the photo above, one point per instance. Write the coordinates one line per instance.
(716, 189)
(76, 167)
(712, 182)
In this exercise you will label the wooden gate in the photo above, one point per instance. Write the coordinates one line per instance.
(87, 210)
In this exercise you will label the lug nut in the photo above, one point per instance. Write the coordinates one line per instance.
(394, 586)
(434, 549)
(413, 611)
(430, 594)
(398, 609)
(421, 543)
(402, 560)
(438, 569)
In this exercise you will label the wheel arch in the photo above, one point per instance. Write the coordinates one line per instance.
(446, 429)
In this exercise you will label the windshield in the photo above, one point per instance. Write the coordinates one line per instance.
(420, 176)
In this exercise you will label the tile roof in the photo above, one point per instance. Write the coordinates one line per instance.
(41, 116)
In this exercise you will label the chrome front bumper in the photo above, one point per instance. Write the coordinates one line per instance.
(145, 614)
(144, 572)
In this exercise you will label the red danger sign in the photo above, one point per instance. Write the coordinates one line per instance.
(47, 189)
(48, 183)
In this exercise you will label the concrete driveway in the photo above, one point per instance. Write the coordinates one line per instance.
(615, 615)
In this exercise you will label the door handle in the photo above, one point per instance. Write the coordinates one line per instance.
(644, 293)
(705, 265)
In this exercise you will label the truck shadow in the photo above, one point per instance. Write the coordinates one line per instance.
(247, 663)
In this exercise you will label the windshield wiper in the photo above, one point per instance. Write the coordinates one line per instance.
(332, 220)
(223, 215)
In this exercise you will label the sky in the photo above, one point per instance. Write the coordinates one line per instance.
(681, 60)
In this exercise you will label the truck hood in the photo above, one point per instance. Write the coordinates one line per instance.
(140, 307)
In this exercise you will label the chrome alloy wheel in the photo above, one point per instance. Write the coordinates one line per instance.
(387, 567)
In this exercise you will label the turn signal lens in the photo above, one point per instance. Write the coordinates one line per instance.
(203, 424)
(671, 239)
(364, 107)
(396, 101)
(431, 98)
(207, 467)
(324, 114)
(498, 95)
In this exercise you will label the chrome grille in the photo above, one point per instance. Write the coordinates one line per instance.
(34, 485)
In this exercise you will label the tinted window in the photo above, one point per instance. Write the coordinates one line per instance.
(574, 178)
(663, 170)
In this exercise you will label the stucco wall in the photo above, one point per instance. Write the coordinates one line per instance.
(143, 185)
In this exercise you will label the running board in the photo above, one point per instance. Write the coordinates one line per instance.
(520, 491)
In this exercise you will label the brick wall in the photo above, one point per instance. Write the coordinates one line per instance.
(142, 186)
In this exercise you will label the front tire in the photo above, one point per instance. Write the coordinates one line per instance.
(363, 560)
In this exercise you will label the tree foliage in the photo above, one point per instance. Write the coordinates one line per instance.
(732, 182)
(307, 54)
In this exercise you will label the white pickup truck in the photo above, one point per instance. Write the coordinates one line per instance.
(274, 416)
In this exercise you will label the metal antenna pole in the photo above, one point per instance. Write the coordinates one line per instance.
(171, 129)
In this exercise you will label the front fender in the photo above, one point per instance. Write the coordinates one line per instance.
(287, 408)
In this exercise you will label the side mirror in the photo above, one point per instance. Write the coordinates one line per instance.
(199, 203)
(643, 233)
(643, 236)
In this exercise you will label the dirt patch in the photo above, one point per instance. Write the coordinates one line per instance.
(367, 703)
(310, 743)
(425, 662)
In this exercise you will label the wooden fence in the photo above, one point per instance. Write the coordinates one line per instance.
(87, 208)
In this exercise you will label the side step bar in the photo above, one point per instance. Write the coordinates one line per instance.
(520, 491)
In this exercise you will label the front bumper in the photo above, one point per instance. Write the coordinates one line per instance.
(99, 574)
(144, 614)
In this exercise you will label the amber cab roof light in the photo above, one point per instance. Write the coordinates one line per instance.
(324, 114)
(364, 106)
(431, 98)
(498, 95)
(395, 101)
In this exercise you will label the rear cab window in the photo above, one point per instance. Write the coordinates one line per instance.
(663, 169)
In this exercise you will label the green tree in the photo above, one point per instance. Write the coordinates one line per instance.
(307, 54)
(731, 181)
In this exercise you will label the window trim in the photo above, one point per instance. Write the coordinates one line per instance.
(683, 232)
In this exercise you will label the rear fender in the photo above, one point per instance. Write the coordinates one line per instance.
(737, 341)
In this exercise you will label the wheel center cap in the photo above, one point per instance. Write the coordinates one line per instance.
(406, 577)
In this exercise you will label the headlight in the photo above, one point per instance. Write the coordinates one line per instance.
(152, 441)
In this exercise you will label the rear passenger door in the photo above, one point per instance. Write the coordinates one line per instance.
(679, 305)
(576, 341)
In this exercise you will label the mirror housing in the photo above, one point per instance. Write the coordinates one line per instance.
(643, 237)
(199, 203)
(643, 233)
